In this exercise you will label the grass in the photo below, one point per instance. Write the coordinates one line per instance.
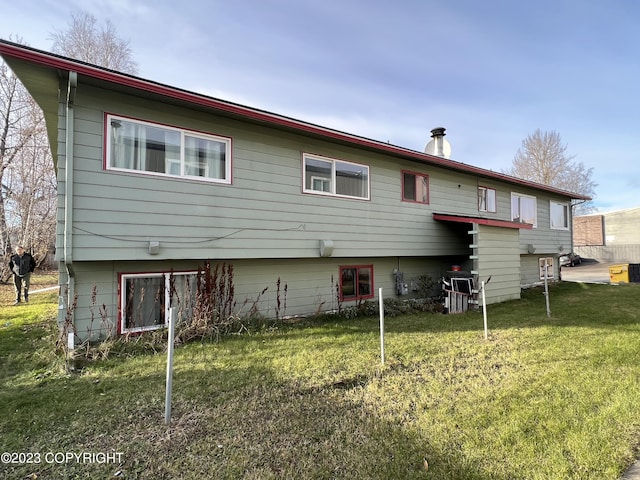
(542, 398)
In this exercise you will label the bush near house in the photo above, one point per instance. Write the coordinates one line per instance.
(541, 398)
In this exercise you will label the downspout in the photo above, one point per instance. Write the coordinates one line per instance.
(68, 192)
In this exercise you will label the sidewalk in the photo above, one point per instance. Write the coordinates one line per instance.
(633, 473)
(31, 292)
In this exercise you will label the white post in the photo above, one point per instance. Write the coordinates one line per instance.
(546, 287)
(484, 312)
(381, 304)
(167, 399)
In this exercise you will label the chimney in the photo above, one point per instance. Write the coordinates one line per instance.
(438, 138)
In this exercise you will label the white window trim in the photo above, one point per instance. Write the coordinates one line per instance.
(495, 199)
(549, 262)
(535, 206)
(181, 161)
(332, 192)
(167, 299)
(568, 210)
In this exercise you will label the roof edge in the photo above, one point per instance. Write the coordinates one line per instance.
(55, 61)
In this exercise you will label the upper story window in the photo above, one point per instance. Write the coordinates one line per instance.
(328, 176)
(487, 199)
(524, 209)
(144, 147)
(559, 215)
(415, 187)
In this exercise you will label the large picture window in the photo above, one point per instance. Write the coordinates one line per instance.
(415, 187)
(559, 213)
(356, 282)
(145, 299)
(524, 209)
(144, 147)
(328, 176)
(486, 199)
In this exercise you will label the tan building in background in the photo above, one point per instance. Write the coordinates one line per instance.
(608, 237)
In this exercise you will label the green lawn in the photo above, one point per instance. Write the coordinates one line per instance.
(542, 398)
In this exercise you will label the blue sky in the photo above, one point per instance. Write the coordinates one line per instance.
(491, 72)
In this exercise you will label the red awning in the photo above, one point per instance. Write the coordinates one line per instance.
(482, 221)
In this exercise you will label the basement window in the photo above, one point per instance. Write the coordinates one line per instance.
(145, 299)
(356, 282)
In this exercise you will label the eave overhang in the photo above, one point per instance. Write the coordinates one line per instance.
(17, 56)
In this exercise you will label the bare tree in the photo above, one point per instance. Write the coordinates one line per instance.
(542, 158)
(84, 41)
(32, 181)
(27, 175)
(17, 130)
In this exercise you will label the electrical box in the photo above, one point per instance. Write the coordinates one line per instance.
(401, 287)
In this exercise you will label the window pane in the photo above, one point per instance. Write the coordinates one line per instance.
(486, 199)
(352, 180)
(415, 187)
(348, 282)
(409, 186)
(183, 295)
(559, 215)
(523, 209)
(527, 210)
(482, 199)
(143, 147)
(144, 302)
(364, 281)
(205, 158)
(422, 185)
(317, 175)
(491, 200)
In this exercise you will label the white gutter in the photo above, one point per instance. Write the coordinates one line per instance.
(67, 250)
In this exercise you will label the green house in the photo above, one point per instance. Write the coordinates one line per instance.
(155, 181)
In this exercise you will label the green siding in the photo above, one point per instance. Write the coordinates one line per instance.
(310, 285)
(263, 223)
(499, 258)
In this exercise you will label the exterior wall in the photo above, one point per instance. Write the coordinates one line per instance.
(588, 230)
(310, 285)
(610, 237)
(531, 269)
(263, 214)
(621, 228)
(611, 254)
(262, 222)
(499, 258)
(544, 240)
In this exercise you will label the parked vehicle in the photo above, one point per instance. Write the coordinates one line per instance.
(570, 259)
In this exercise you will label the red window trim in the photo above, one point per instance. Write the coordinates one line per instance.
(417, 174)
(356, 297)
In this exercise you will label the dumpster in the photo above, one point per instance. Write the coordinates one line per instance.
(619, 273)
(634, 272)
